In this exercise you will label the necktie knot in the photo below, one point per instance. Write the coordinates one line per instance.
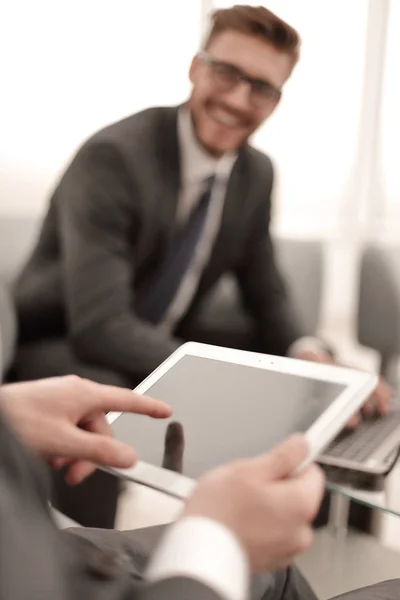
(205, 194)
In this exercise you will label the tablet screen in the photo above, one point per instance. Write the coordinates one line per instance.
(225, 411)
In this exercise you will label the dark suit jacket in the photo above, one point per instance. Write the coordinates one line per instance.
(39, 562)
(110, 222)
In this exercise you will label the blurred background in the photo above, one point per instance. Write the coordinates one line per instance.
(71, 67)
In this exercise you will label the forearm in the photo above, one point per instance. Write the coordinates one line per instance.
(266, 299)
(133, 550)
(125, 344)
(36, 562)
(194, 555)
(277, 332)
(264, 290)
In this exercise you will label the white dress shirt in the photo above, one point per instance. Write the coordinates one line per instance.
(197, 166)
(206, 551)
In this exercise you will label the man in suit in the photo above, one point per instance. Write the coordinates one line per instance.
(228, 528)
(153, 210)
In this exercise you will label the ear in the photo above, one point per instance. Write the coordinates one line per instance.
(194, 67)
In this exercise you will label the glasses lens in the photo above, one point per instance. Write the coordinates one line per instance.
(263, 93)
(225, 76)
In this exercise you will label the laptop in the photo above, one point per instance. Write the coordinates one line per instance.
(362, 458)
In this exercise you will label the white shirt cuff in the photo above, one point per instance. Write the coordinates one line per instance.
(204, 550)
(307, 344)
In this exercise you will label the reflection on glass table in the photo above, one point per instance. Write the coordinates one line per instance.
(360, 464)
(343, 558)
(378, 500)
(386, 501)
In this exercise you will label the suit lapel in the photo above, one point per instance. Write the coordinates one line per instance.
(169, 172)
(229, 241)
(235, 201)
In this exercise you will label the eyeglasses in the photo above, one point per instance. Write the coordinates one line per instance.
(227, 77)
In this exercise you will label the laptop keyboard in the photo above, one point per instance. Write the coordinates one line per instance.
(360, 444)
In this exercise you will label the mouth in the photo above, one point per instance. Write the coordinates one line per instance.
(225, 118)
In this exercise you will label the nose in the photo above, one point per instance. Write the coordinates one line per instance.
(239, 97)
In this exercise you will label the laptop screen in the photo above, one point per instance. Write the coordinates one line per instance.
(223, 411)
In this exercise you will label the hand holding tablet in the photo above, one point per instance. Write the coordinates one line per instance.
(272, 512)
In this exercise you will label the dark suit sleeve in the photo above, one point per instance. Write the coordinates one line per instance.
(99, 216)
(263, 289)
(38, 561)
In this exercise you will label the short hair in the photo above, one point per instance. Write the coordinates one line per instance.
(257, 21)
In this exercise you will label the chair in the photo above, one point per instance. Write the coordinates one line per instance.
(16, 238)
(379, 304)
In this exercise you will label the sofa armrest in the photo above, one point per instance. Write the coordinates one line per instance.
(8, 328)
(301, 263)
(379, 300)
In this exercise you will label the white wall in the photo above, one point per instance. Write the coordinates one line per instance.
(71, 66)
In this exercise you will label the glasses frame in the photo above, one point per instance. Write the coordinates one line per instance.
(271, 94)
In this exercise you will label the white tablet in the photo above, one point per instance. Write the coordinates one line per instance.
(232, 404)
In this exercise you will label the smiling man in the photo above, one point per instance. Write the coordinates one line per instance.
(238, 78)
(153, 210)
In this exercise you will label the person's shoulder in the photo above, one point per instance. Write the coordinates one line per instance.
(129, 140)
(260, 163)
(137, 130)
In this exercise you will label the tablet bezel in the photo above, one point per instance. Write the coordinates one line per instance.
(358, 386)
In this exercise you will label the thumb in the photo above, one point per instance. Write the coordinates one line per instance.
(99, 449)
(282, 460)
(174, 447)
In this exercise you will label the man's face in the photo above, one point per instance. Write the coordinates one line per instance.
(226, 108)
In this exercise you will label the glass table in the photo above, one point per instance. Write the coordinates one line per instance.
(340, 559)
(386, 501)
(343, 558)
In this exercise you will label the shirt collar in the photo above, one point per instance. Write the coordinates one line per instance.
(196, 163)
